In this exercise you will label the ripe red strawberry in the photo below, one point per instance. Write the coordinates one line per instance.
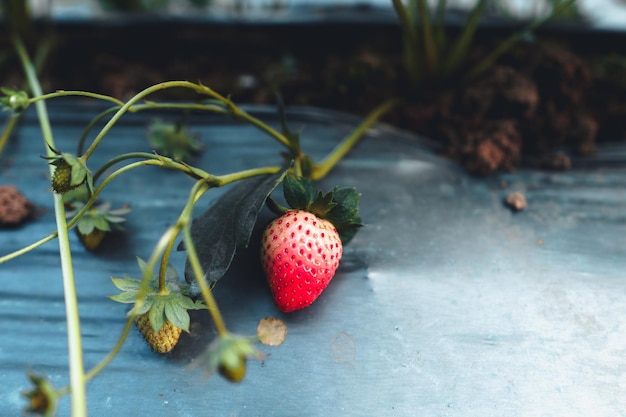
(301, 250)
(300, 253)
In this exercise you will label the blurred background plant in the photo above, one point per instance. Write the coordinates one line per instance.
(433, 57)
(145, 5)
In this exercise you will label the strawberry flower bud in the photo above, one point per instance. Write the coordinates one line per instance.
(70, 172)
(14, 100)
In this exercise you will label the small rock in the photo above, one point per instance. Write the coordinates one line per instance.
(516, 201)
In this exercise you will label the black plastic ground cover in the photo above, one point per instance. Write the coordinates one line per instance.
(446, 302)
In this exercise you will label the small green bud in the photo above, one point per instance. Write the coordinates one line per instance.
(14, 100)
(232, 356)
(70, 172)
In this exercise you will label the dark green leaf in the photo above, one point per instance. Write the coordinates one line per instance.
(347, 232)
(227, 225)
(347, 206)
(299, 192)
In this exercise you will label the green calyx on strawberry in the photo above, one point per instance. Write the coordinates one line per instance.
(160, 315)
(70, 172)
(43, 398)
(97, 221)
(301, 250)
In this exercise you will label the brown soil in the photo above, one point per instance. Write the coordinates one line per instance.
(15, 209)
(543, 102)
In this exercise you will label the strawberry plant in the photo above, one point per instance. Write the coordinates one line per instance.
(159, 300)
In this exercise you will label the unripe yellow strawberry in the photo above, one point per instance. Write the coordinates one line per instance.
(161, 313)
(233, 370)
(162, 341)
(91, 240)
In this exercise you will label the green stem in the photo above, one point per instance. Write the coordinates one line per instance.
(148, 105)
(87, 205)
(90, 125)
(77, 381)
(207, 294)
(163, 267)
(8, 129)
(221, 180)
(163, 161)
(84, 209)
(28, 248)
(234, 110)
(151, 105)
(320, 170)
(63, 93)
(192, 255)
(169, 235)
(113, 353)
(217, 181)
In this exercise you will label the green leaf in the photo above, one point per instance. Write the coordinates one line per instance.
(126, 284)
(114, 219)
(100, 222)
(188, 304)
(157, 314)
(142, 264)
(126, 297)
(177, 315)
(139, 309)
(227, 225)
(79, 170)
(86, 225)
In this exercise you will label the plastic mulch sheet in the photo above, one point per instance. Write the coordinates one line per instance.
(445, 303)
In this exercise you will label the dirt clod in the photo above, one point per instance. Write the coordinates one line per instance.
(15, 209)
